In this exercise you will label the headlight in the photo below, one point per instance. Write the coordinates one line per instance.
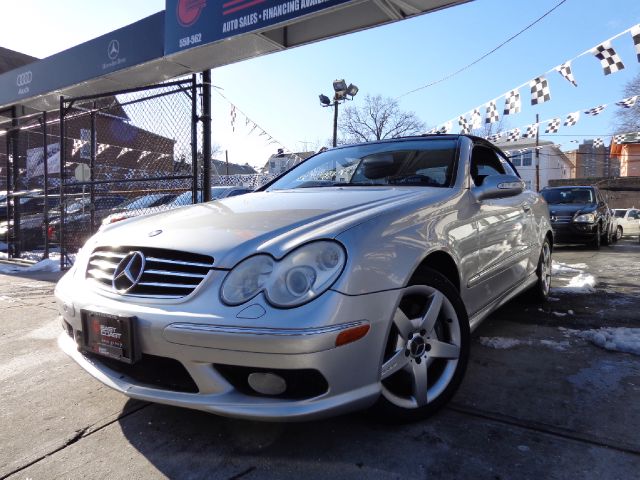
(299, 277)
(247, 279)
(585, 218)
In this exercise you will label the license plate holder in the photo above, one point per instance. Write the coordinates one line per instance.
(111, 336)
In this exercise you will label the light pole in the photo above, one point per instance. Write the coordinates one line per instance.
(342, 92)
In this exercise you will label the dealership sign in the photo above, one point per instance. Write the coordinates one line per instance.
(191, 23)
(103, 55)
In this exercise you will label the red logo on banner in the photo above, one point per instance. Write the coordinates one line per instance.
(188, 11)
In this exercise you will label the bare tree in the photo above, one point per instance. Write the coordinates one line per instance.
(377, 119)
(628, 119)
(488, 129)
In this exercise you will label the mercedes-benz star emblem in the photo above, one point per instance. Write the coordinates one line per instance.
(114, 49)
(417, 347)
(128, 272)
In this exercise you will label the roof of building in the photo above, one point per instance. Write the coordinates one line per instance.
(10, 59)
(233, 168)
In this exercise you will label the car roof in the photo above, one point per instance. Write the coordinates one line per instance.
(429, 136)
(568, 186)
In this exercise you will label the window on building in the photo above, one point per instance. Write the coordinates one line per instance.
(526, 158)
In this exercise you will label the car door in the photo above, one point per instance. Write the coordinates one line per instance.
(633, 222)
(504, 234)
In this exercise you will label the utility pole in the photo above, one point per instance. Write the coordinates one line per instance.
(226, 156)
(537, 152)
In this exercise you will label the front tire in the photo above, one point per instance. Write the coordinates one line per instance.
(595, 244)
(619, 232)
(540, 291)
(426, 351)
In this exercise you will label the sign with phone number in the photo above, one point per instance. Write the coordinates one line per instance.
(190, 23)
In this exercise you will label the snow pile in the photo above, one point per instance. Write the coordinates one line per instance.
(581, 283)
(502, 343)
(619, 339)
(47, 265)
(559, 267)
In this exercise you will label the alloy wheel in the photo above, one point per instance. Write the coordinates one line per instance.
(423, 348)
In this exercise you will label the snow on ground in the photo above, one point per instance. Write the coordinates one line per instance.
(47, 265)
(617, 339)
(502, 343)
(559, 267)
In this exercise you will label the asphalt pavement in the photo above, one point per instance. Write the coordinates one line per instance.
(539, 401)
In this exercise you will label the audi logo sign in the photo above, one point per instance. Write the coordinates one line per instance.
(24, 78)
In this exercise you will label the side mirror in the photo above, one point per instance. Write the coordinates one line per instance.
(498, 186)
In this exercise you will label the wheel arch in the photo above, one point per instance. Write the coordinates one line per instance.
(443, 263)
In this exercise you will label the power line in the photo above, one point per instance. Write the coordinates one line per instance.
(466, 67)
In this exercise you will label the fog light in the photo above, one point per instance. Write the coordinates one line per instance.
(267, 383)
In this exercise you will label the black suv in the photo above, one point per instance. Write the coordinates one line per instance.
(579, 214)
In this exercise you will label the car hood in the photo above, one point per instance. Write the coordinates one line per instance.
(564, 209)
(272, 222)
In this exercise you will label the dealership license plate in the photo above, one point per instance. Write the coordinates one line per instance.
(111, 336)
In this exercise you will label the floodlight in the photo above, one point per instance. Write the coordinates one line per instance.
(324, 100)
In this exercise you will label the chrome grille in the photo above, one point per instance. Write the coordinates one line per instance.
(561, 219)
(166, 274)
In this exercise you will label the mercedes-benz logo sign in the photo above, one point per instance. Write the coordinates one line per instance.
(113, 50)
(128, 272)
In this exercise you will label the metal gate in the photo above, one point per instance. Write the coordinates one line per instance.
(27, 196)
(124, 153)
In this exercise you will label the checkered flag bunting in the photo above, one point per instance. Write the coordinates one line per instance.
(628, 102)
(512, 103)
(233, 118)
(572, 119)
(598, 142)
(609, 59)
(432, 131)
(635, 34)
(513, 135)
(465, 127)
(540, 92)
(567, 74)
(531, 131)
(553, 126)
(446, 128)
(595, 110)
(618, 138)
(495, 137)
(476, 118)
(492, 113)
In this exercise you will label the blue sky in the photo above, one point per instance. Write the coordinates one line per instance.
(280, 91)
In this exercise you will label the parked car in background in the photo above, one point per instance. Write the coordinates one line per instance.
(77, 220)
(185, 198)
(628, 221)
(352, 280)
(579, 214)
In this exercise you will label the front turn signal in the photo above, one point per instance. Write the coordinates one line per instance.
(352, 334)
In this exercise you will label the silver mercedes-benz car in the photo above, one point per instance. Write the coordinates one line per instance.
(351, 281)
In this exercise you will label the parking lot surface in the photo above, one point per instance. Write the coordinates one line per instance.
(540, 399)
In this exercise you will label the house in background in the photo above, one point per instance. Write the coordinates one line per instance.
(281, 162)
(627, 154)
(554, 164)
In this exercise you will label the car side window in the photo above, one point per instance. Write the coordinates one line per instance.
(484, 162)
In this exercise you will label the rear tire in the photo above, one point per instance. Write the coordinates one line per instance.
(619, 232)
(426, 352)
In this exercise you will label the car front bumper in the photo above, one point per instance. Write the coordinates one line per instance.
(574, 232)
(204, 336)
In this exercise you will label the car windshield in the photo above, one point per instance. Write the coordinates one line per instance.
(218, 192)
(568, 195)
(142, 202)
(424, 162)
(620, 213)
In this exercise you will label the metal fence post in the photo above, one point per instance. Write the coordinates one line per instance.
(92, 163)
(194, 137)
(206, 135)
(63, 151)
(45, 147)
